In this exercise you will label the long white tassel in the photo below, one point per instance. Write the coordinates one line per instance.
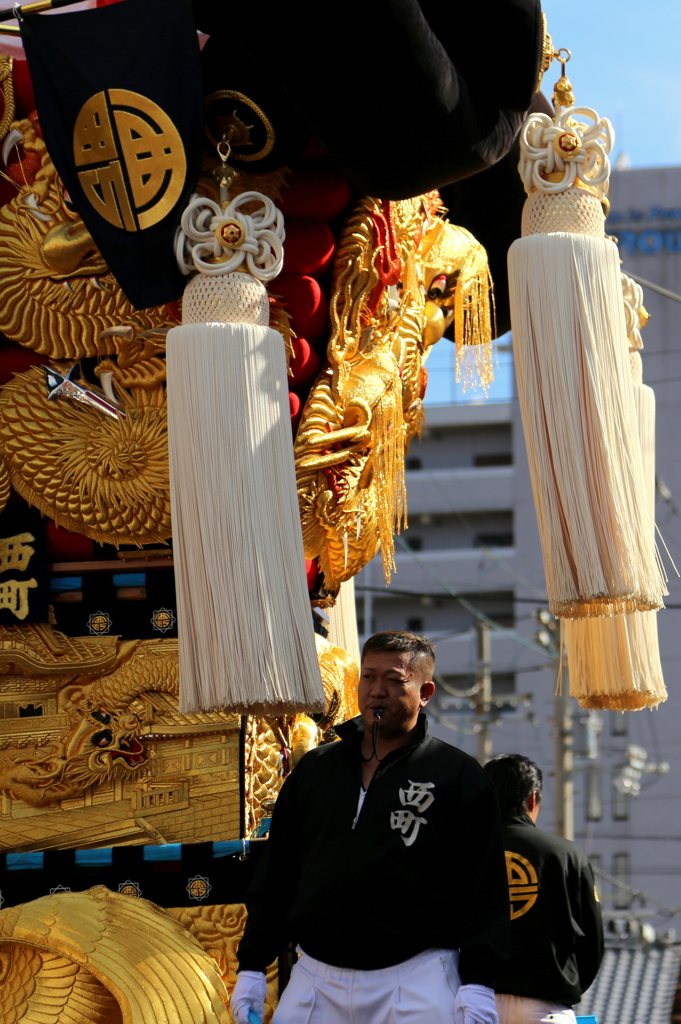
(574, 383)
(576, 400)
(343, 621)
(244, 618)
(615, 662)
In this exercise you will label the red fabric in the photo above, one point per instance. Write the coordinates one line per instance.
(23, 89)
(322, 194)
(388, 262)
(305, 363)
(15, 359)
(64, 546)
(312, 572)
(309, 247)
(296, 407)
(306, 304)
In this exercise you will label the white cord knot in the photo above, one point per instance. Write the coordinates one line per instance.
(559, 152)
(216, 241)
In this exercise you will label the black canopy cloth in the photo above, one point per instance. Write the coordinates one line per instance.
(404, 96)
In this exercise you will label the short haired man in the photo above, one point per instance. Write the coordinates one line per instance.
(556, 927)
(385, 864)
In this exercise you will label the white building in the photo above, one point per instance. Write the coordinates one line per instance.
(472, 532)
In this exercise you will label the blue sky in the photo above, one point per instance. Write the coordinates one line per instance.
(625, 63)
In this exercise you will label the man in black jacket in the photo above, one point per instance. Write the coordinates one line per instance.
(556, 927)
(385, 864)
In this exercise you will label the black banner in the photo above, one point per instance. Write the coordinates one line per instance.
(24, 584)
(119, 97)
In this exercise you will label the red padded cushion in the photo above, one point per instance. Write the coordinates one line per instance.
(23, 89)
(305, 363)
(309, 247)
(306, 303)
(64, 546)
(311, 571)
(315, 193)
(15, 359)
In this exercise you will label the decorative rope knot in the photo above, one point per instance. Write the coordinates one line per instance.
(216, 241)
(559, 152)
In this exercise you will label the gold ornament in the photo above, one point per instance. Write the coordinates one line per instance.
(57, 293)
(146, 143)
(98, 957)
(367, 404)
(102, 477)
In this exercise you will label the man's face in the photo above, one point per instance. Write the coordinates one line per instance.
(388, 681)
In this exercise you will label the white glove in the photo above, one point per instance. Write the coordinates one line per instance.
(248, 994)
(475, 1004)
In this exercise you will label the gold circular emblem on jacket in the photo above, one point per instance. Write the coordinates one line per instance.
(523, 884)
(231, 234)
(133, 160)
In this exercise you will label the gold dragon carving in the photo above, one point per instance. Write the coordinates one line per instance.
(57, 294)
(275, 745)
(389, 306)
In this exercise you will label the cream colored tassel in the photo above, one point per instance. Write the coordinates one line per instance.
(343, 621)
(244, 619)
(615, 662)
(574, 384)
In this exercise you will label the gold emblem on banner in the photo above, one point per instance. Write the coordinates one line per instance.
(523, 884)
(133, 160)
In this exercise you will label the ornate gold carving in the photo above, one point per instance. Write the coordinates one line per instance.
(106, 478)
(219, 929)
(367, 404)
(99, 957)
(7, 92)
(56, 292)
(114, 730)
(151, 152)
(38, 649)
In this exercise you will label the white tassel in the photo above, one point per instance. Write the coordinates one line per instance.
(574, 383)
(343, 621)
(615, 662)
(244, 619)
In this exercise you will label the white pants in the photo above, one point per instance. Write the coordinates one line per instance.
(417, 991)
(521, 1010)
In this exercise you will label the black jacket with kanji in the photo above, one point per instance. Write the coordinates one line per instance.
(556, 927)
(420, 867)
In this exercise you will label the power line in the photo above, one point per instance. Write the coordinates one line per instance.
(468, 606)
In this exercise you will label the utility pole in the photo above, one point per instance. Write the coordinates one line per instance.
(563, 756)
(483, 703)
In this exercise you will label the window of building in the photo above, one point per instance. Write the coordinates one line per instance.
(496, 459)
(413, 463)
(594, 794)
(493, 540)
(621, 870)
(415, 543)
(619, 723)
(620, 799)
(415, 625)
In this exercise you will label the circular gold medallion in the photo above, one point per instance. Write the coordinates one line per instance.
(230, 234)
(132, 158)
(567, 145)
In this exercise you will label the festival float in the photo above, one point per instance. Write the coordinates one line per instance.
(221, 274)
